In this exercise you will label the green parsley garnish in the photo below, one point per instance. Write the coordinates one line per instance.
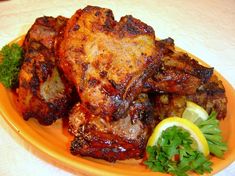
(210, 129)
(175, 154)
(10, 62)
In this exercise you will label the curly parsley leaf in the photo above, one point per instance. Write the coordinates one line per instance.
(174, 154)
(10, 62)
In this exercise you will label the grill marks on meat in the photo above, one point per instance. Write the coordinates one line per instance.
(211, 96)
(178, 73)
(117, 140)
(181, 78)
(181, 61)
(107, 146)
(173, 81)
(177, 60)
(108, 61)
(43, 92)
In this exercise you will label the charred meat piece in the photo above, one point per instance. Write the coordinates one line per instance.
(178, 60)
(211, 96)
(182, 78)
(178, 73)
(173, 81)
(117, 140)
(108, 61)
(166, 46)
(181, 61)
(43, 92)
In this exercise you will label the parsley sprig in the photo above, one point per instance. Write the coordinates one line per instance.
(175, 154)
(10, 62)
(210, 129)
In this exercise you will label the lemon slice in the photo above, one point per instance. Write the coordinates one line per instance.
(194, 112)
(195, 132)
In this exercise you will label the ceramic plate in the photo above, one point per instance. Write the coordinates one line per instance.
(52, 142)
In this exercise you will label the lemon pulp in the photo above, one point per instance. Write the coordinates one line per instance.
(194, 131)
(194, 112)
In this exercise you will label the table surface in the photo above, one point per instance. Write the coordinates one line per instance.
(204, 28)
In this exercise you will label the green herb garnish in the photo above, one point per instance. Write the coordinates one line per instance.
(210, 129)
(10, 62)
(175, 154)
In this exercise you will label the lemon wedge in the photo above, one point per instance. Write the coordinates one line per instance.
(194, 131)
(194, 112)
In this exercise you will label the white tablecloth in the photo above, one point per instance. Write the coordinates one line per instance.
(205, 28)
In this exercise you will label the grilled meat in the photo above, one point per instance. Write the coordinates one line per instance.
(177, 60)
(181, 78)
(43, 92)
(116, 140)
(172, 81)
(211, 96)
(126, 81)
(108, 61)
(111, 63)
(178, 73)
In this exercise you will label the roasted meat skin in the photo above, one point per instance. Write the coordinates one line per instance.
(107, 146)
(43, 92)
(181, 61)
(178, 73)
(178, 60)
(108, 61)
(117, 140)
(172, 81)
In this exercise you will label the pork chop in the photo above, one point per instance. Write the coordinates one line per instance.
(108, 61)
(44, 93)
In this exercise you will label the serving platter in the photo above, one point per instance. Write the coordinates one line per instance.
(52, 142)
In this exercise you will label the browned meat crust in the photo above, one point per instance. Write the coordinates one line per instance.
(181, 61)
(175, 60)
(182, 78)
(43, 92)
(211, 96)
(117, 140)
(173, 81)
(107, 146)
(178, 73)
(108, 61)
